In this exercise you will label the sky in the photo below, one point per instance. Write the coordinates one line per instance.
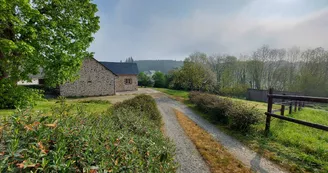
(173, 29)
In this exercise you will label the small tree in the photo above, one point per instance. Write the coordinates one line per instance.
(144, 80)
(159, 79)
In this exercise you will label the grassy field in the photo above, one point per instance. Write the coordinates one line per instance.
(297, 148)
(46, 105)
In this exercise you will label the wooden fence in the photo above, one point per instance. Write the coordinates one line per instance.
(261, 95)
(298, 102)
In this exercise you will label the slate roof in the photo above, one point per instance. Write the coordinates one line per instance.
(122, 68)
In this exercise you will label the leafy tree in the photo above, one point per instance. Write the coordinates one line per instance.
(53, 35)
(144, 80)
(159, 79)
(195, 74)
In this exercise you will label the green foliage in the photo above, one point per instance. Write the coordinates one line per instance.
(212, 105)
(195, 74)
(143, 103)
(18, 97)
(238, 91)
(95, 101)
(241, 117)
(70, 139)
(52, 35)
(237, 116)
(159, 80)
(175, 93)
(144, 80)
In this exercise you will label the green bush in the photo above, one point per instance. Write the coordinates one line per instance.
(212, 105)
(18, 96)
(241, 117)
(71, 139)
(143, 103)
(236, 115)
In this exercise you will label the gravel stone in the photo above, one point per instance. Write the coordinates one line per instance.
(187, 156)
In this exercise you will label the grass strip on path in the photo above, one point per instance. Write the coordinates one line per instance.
(218, 159)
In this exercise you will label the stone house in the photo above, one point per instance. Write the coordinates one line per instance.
(127, 73)
(102, 78)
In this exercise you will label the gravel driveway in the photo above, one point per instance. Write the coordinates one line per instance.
(188, 156)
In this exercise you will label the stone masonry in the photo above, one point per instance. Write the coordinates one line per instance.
(120, 84)
(95, 80)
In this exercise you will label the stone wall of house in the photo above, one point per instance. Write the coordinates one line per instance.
(120, 84)
(95, 80)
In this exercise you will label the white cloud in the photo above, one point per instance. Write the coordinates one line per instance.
(259, 22)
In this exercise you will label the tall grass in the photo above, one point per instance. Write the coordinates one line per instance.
(71, 139)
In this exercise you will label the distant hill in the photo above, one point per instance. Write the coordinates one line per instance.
(158, 65)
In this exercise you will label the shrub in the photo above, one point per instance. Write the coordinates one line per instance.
(18, 96)
(236, 115)
(241, 117)
(143, 103)
(123, 140)
(212, 105)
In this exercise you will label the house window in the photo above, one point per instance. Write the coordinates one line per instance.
(128, 81)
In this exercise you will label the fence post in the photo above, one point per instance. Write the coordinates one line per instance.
(268, 118)
(295, 108)
(282, 110)
(290, 107)
(299, 105)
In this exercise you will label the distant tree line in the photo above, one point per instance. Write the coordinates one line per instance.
(283, 69)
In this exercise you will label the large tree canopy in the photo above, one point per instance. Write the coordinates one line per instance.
(49, 34)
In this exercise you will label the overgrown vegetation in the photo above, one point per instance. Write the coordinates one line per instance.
(71, 139)
(18, 97)
(297, 148)
(142, 103)
(237, 116)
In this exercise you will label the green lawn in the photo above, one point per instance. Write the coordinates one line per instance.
(175, 93)
(296, 147)
(46, 105)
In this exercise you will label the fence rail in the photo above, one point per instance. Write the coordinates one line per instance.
(298, 102)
